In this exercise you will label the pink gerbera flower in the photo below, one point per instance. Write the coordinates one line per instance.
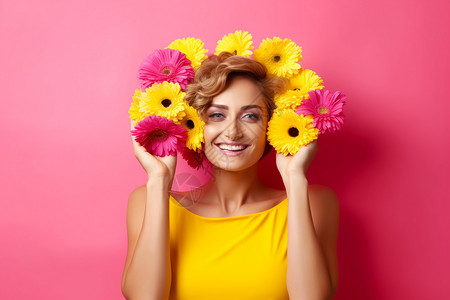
(166, 65)
(195, 159)
(325, 108)
(160, 136)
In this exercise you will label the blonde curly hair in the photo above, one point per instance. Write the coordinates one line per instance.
(215, 73)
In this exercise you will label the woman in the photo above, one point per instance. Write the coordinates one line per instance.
(229, 238)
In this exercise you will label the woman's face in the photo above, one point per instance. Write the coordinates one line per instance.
(235, 126)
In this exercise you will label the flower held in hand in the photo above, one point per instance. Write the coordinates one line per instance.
(326, 109)
(160, 136)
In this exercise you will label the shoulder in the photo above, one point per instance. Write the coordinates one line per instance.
(324, 206)
(320, 188)
(139, 191)
(137, 196)
(136, 206)
(321, 194)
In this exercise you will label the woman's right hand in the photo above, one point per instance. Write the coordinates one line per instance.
(154, 166)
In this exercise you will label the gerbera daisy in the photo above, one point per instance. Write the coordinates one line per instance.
(280, 57)
(290, 99)
(325, 108)
(193, 48)
(238, 43)
(194, 126)
(163, 99)
(305, 81)
(287, 132)
(166, 65)
(134, 108)
(160, 136)
(195, 159)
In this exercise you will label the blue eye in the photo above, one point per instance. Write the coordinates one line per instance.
(247, 116)
(253, 116)
(214, 115)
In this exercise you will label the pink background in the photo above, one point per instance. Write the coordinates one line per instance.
(67, 73)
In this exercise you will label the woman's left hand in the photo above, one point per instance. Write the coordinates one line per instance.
(297, 164)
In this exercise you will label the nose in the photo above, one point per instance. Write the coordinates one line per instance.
(234, 130)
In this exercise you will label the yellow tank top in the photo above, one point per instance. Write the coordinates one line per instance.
(232, 258)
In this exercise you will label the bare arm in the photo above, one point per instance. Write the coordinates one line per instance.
(147, 271)
(313, 216)
(312, 234)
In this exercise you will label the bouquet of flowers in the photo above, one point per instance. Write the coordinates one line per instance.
(166, 124)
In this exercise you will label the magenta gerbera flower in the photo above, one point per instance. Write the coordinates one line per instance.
(195, 159)
(160, 136)
(325, 108)
(166, 65)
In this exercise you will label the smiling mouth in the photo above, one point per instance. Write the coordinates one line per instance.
(232, 147)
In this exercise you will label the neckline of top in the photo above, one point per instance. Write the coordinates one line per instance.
(177, 204)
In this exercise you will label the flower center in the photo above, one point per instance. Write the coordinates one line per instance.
(190, 124)
(323, 110)
(293, 131)
(166, 102)
(167, 71)
(276, 58)
(158, 135)
(235, 52)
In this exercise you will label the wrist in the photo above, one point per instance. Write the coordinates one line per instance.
(301, 171)
(295, 179)
(294, 176)
(159, 181)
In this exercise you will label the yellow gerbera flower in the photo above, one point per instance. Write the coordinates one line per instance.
(163, 99)
(193, 48)
(194, 126)
(277, 110)
(305, 81)
(238, 43)
(290, 99)
(287, 132)
(134, 108)
(280, 57)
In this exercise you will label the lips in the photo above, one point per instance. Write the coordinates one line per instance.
(232, 149)
(232, 146)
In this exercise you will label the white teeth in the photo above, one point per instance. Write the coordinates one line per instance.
(230, 147)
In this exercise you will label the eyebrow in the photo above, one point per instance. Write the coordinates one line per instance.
(242, 108)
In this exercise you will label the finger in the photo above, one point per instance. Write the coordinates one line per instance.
(137, 145)
(314, 144)
(132, 128)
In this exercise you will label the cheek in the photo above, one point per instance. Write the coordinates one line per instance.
(258, 134)
(210, 132)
